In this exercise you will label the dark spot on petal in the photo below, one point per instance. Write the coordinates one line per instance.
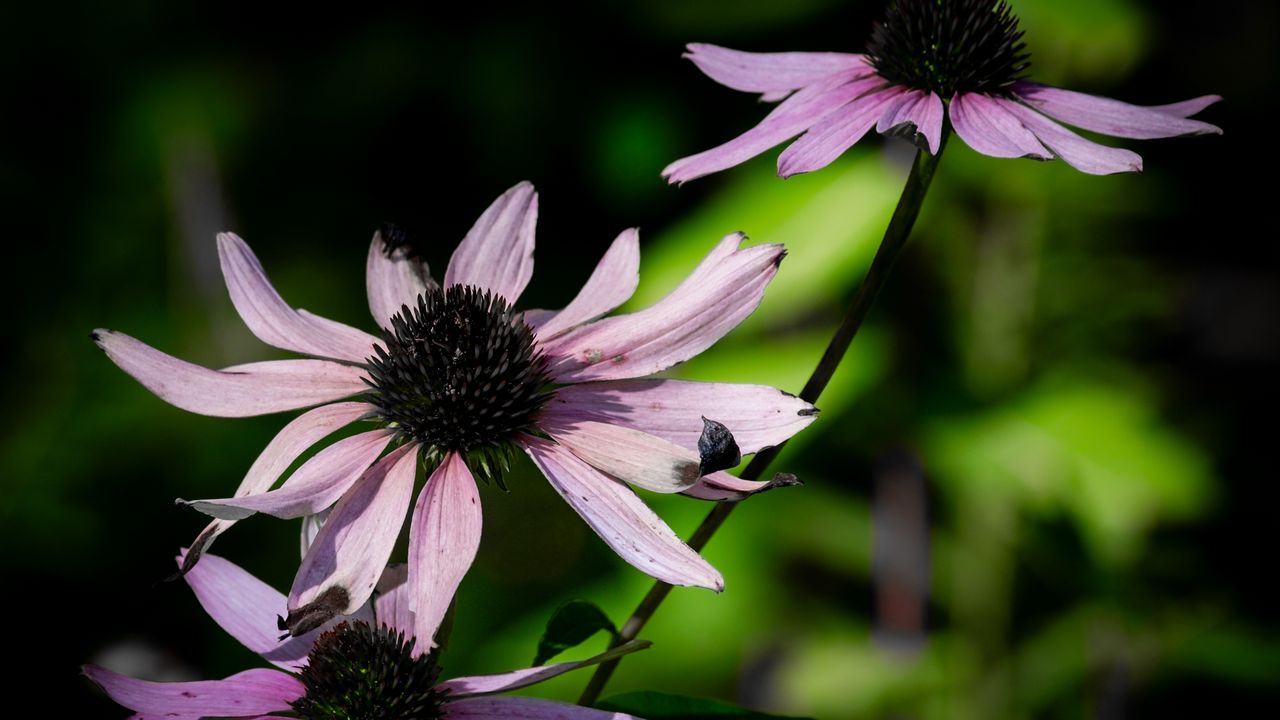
(330, 603)
(717, 448)
(807, 412)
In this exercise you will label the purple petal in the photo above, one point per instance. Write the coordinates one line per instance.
(721, 486)
(917, 111)
(1083, 155)
(273, 321)
(393, 280)
(631, 456)
(796, 114)
(246, 693)
(313, 487)
(771, 73)
(443, 540)
(391, 601)
(239, 391)
(729, 285)
(497, 253)
(1187, 108)
(501, 708)
(838, 131)
(612, 284)
(757, 415)
(502, 682)
(347, 558)
(621, 519)
(988, 128)
(1110, 117)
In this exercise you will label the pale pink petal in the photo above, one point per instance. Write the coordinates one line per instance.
(1107, 116)
(1187, 108)
(758, 416)
(347, 558)
(311, 525)
(721, 486)
(443, 540)
(536, 318)
(988, 128)
(502, 682)
(239, 391)
(632, 456)
(270, 317)
(918, 112)
(612, 284)
(246, 693)
(681, 325)
(391, 599)
(827, 140)
(772, 73)
(796, 114)
(503, 708)
(313, 487)
(1083, 155)
(392, 281)
(497, 253)
(621, 519)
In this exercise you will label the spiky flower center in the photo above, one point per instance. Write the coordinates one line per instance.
(359, 672)
(460, 372)
(949, 46)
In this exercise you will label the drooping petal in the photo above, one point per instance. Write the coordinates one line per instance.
(757, 415)
(391, 599)
(313, 487)
(393, 280)
(629, 455)
(827, 140)
(721, 486)
(612, 284)
(1110, 117)
(273, 321)
(919, 111)
(443, 540)
(502, 682)
(240, 391)
(988, 128)
(311, 525)
(504, 708)
(776, 72)
(796, 114)
(246, 693)
(497, 253)
(621, 519)
(681, 325)
(344, 563)
(1187, 108)
(1083, 155)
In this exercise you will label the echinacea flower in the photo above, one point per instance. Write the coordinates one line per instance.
(366, 666)
(926, 62)
(457, 382)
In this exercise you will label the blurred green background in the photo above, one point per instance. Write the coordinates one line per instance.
(1042, 484)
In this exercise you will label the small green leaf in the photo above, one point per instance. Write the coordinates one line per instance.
(664, 706)
(571, 624)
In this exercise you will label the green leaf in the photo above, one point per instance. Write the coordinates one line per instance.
(571, 624)
(664, 706)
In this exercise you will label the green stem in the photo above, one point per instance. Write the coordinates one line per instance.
(895, 237)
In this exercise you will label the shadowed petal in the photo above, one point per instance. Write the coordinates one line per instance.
(612, 284)
(240, 391)
(1083, 155)
(719, 486)
(392, 280)
(827, 140)
(497, 253)
(917, 110)
(621, 519)
(632, 456)
(502, 682)
(443, 540)
(681, 325)
(1110, 117)
(391, 599)
(988, 128)
(1187, 108)
(246, 693)
(757, 415)
(771, 73)
(271, 319)
(502, 708)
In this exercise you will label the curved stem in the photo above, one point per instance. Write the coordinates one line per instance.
(895, 237)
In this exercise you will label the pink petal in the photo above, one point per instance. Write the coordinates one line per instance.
(681, 325)
(916, 111)
(827, 140)
(347, 558)
(1187, 108)
(273, 321)
(771, 72)
(246, 693)
(1083, 155)
(796, 114)
(497, 253)
(502, 682)
(393, 281)
(612, 284)
(988, 128)
(629, 455)
(500, 708)
(721, 486)
(758, 416)
(311, 525)
(313, 487)
(621, 519)
(443, 540)
(391, 601)
(239, 391)
(1110, 117)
